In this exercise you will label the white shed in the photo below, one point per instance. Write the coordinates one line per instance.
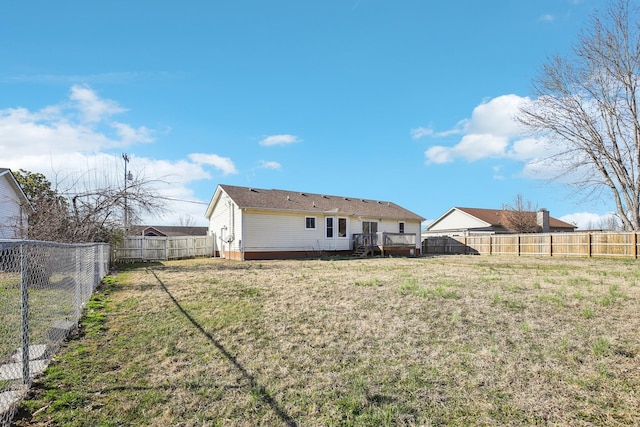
(253, 223)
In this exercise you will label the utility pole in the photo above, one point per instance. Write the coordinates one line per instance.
(127, 177)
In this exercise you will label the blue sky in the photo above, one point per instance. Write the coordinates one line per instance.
(404, 101)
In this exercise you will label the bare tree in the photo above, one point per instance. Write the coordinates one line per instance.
(49, 217)
(610, 223)
(186, 221)
(606, 223)
(586, 107)
(102, 210)
(521, 216)
(88, 210)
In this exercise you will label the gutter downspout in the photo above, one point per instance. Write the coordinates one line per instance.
(242, 244)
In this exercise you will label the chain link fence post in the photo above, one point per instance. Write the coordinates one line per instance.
(44, 287)
(24, 308)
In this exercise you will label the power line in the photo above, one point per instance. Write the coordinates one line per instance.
(175, 199)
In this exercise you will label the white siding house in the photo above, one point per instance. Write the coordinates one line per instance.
(14, 207)
(468, 221)
(251, 223)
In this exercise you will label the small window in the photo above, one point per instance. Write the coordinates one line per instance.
(401, 227)
(310, 222)
(329, 228)
(342, 227)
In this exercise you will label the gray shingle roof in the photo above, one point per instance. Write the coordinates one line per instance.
(171, 230)
(282, 200)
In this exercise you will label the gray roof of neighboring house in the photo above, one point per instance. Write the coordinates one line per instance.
(171, 230)
(310, 203)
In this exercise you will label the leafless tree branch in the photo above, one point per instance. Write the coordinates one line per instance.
(587, 104)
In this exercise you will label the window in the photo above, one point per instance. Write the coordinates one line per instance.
(329, 234)
(310, 222)
(342, 227)
(401, 227)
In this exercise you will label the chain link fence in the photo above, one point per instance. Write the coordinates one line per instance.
(43, 289)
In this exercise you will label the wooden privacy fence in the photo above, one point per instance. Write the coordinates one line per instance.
(600, 244)
(154, 248)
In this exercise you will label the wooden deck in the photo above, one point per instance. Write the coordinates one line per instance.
(382, 242)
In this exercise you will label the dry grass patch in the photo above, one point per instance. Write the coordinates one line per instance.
(457, 340)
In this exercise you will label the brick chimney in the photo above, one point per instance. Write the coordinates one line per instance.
(543, 220)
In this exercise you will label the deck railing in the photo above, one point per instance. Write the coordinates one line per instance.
(365, 240)
(384, 239)
(399, 239)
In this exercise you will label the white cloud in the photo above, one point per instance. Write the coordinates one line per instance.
(497, 173)
(78, 125)
(175, 173)
(438, 154)
(25, 133)
(459, 129)
(589, 220)
(223, 164)
(527, 149)
(73, 144)
(491, 132)
(481, 145)
(91, 107)
(496, 116)
(270, 165)
(129, 135)
(421, 132)
(285, 139)
(547, 18)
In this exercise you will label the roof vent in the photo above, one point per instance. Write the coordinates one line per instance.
(253, 189)
(302, 194)
(346, 198)
(325, 197)
(314, 204)
(288, 198)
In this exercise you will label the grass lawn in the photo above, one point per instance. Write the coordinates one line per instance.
(456, 340)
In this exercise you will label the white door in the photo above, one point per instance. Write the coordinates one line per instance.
(336, 233)
(330, 233)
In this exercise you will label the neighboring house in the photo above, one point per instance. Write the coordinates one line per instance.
(170, 231)
(14, 207)
(466, 221)
(253, 223)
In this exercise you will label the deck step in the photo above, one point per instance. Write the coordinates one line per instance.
(361, 252)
